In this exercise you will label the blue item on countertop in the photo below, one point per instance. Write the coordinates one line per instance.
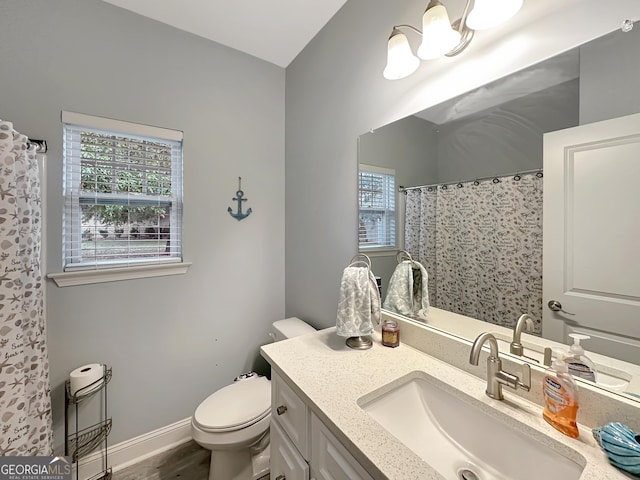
(621, 444)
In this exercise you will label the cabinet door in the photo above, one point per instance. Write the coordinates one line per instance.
(329, 459)
(286, 462)
(291, 413)
(591, 231)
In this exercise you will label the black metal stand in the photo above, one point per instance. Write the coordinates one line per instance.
(81, 442)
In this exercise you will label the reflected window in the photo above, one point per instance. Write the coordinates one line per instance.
(377, 207)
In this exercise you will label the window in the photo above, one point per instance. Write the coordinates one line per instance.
(122, 194)
(376, 201)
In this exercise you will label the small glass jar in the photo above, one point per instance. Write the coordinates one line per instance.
(390, 333)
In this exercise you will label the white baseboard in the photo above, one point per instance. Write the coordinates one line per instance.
(137, 449)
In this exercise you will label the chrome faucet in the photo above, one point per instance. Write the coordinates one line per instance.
(496, 377)
(516, 347)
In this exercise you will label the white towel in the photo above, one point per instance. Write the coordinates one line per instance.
(359, 302)
(408, 294)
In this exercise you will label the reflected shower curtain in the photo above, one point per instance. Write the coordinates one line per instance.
(481, 243)
(25, 404)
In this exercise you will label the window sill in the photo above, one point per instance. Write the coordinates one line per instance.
(379, 251)
(86, 277)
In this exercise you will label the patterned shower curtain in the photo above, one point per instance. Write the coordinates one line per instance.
(25, 404)
(481, 243)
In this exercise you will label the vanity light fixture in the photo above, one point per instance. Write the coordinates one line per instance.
(440, 37)
(401, 62)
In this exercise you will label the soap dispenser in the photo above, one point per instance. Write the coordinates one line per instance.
(579, 365)
(560, 397)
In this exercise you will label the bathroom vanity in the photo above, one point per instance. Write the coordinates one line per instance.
(302, 446)
(330, 404)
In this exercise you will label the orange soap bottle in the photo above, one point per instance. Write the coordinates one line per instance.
(560, 397)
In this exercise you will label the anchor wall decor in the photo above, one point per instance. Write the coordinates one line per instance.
(238, 198)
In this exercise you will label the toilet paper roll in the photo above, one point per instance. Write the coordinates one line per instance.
(84, 376)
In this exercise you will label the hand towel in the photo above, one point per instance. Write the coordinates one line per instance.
(408, 292)
(359, 302)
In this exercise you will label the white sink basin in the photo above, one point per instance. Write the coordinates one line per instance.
(452, 433)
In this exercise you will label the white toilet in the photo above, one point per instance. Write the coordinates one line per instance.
(234, 421)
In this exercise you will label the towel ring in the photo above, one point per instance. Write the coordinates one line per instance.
(403, 255)
(360, 263)
(365, 260)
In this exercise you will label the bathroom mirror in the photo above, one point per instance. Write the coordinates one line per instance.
(495, 132)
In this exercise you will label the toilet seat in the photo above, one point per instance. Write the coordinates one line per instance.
(236, 406)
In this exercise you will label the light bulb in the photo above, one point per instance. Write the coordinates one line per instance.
(438, 38)
(401, 62)
(491, 13)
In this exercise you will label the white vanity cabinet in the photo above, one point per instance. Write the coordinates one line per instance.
(289, 433)
(290, 411)
(286, 462)
(330, 460)
(302, 447)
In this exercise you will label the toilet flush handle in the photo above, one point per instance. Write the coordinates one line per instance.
(245, 376)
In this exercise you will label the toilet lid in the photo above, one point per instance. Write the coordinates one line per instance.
(235, 406)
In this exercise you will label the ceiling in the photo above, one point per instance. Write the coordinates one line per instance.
(272, 30)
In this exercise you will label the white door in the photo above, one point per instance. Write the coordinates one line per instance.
(591, 225)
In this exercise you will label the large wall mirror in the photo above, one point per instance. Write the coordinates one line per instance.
(488, 143)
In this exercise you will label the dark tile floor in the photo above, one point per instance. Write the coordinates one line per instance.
(186, 462)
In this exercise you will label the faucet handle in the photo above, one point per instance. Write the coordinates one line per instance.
(547, 357)
(525, 383)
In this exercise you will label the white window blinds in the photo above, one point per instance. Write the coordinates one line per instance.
(123, 193)
(377, 212)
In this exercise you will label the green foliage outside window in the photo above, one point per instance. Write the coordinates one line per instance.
(113, 165)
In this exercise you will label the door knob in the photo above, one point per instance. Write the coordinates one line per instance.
(281, 409)
(556, 306)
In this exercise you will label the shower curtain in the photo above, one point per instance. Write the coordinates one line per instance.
(481, 243)
(25, 404)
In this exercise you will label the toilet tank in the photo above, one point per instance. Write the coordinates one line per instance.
(289, 328)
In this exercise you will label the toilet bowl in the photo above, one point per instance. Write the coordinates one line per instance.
(233, 422)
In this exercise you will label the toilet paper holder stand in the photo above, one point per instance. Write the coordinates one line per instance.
(82, 441)
(90, 389)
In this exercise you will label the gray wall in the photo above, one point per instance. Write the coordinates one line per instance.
(498, 141)
(172, 340)
(609, 77)
(506, 139)
(335, 92)
(409, 146)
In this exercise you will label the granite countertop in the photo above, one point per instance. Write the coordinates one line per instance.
(331, 378)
